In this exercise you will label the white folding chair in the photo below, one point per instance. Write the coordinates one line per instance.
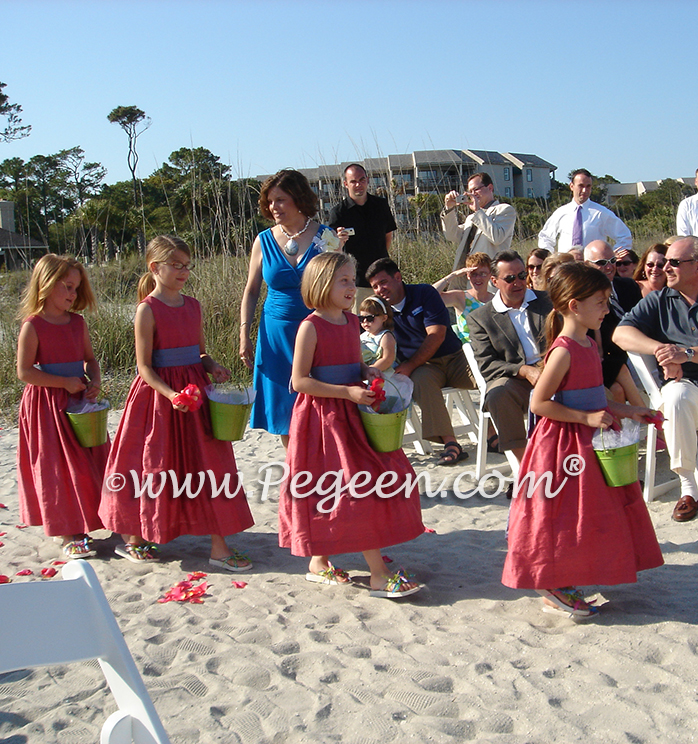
(38, 631)
(645, 367)
(483, 420)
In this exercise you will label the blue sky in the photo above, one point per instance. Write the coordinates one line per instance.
(266, 85)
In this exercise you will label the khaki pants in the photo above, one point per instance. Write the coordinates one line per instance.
(681, 413)
(446, 371)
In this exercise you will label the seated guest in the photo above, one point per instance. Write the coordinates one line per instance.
(650, 269)
(626, 263)
(508, 338)
(663, 325)
(428, 350)
(478, 270)
(625, 294)
(534, 266)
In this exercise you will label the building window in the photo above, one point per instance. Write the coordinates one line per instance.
(529, 174)
(507, 174)
(529, 193)
(507, 191)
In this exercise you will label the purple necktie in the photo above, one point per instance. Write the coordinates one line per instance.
(577, 234)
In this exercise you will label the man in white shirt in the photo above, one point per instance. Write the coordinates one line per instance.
(507, 336)
(687, 214)
(487, 229)
(582, 220)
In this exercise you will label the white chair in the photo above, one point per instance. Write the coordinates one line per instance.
(458, 402)
(483, 420)
(645, 367)
(38, 628)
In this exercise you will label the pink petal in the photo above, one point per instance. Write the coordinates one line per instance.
(2, 506)
(21, 526)
(2, 534)
(58, 563)
(386, 559)
(428, 529)
(1, 544)
(25, 572)
(194, 576)
(49, 572)
(239, 584)
(5, 579)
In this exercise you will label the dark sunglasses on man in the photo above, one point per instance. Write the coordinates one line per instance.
(511, 278)
(676, 262)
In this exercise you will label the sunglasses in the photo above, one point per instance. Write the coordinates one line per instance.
(177, 266)
(603, 261)
(630, 263)
(658, 265)
(513, 277)
(534, 267)
(366, 318)
(675, 262)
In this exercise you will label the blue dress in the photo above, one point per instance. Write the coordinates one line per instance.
(282, 313)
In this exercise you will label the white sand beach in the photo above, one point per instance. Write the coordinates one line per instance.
(283, 661)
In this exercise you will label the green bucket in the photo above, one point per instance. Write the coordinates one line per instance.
(384, 430)
(228, 420)
(619, 466)
(90, 428)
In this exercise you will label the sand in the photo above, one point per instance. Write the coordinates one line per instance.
(283, 660)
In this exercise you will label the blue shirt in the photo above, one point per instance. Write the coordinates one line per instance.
(666, 317)
(423, 308)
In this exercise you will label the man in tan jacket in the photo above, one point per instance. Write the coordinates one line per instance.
(487, 229)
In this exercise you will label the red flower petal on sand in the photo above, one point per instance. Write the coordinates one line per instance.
(2, 506)
(428, 529)
(2, 534)
(196, 576)
(25, 572)
(386, 559)
(48, 572)
(185, 591)
(58, 563)
(21, 526)
(239, 584)
(1, 544)
(5, 579)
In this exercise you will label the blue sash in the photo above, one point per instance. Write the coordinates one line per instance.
(64, 369)
(179, 357)
(587, 399)
(337, 374)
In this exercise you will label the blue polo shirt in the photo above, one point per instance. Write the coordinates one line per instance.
(423, 308)
(665, 317)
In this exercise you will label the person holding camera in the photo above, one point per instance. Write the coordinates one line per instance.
(488, 228)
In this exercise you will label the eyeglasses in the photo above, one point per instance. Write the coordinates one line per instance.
(511, 278)
(535, 267)
(675, 262)
(366, 318)
(630, 263)
(178, 266)
(603, 261)
(480, 274)
(658, 265)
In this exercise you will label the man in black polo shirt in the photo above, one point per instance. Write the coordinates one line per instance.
(373, 224)
(428, 351)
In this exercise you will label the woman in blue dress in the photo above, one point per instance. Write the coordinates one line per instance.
(279, 257)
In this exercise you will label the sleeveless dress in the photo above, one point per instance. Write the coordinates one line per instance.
(371, 350)
(327, 436)
(589, 533)
(153, 438)
(282, 313)
(59, 480)
(462, 329)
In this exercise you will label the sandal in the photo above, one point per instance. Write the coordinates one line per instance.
(452, 454)
(146, 552)
(78, 549)
(568, 601)
(493, 444)
(393, 587)
(329, 575)
(232, 562)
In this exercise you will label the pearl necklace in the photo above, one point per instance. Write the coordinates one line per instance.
(291, 248)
